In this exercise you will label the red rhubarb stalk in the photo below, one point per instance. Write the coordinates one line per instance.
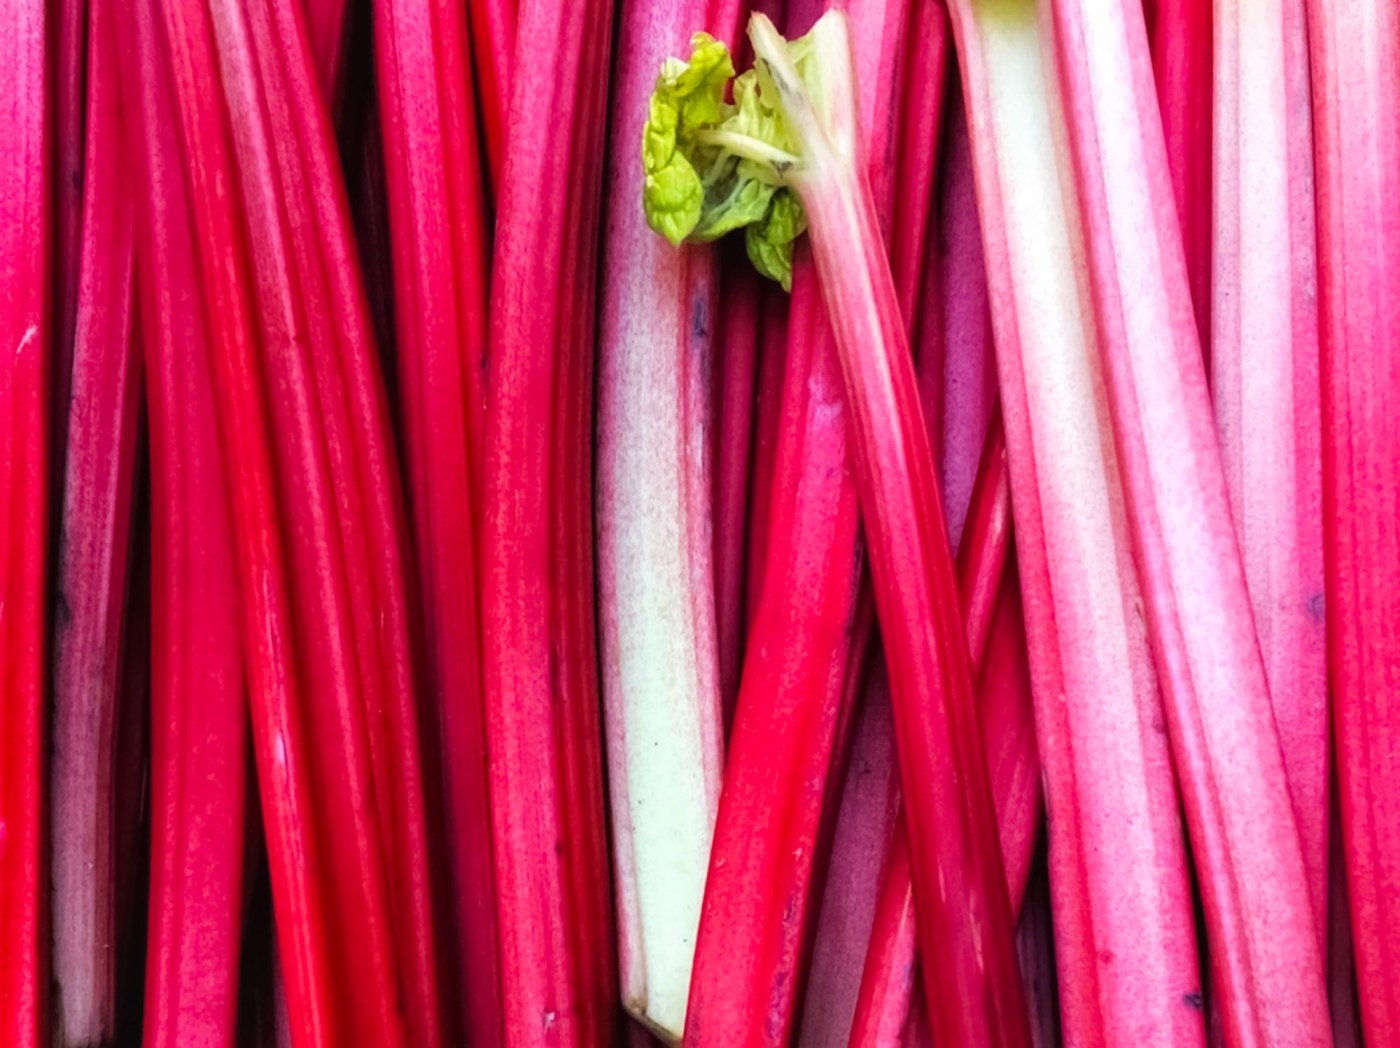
(768, 398)
(738, 339)
(71, 36)
(1265, 381)
(974, 990)
(438, 235)
(660, 659)
(916, 146)
(756, 921)
(543, 728)
(1355, 61)
(1182, 64)
(996, 643)
(93, 559)
(493, 31)
(795, 702)
(328, 30)
(1265, 946)
(1118, 870)
(301, 860)
(341, 493)
(26, 333)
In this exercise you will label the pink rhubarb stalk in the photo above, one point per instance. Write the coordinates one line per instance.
(1118, 869)
(1355, 61)
(26, 335)
(541, 662)
(438, 235)
(1265, 946)
(1265, 381)
(93, 559)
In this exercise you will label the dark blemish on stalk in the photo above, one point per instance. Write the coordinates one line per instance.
(1106, 957)
(77, 180)
(1193, 1001)
(63, 610)
(699, 320)
(1317, 607)
(558, 847)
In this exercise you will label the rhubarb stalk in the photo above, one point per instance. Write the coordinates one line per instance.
(960, 893)
(1355, 61)
(94, 556)
(1182, 64)
(1265, 381)
(1118, 870)
(800, 676)
(660, 658)
(1265, 946)
(438, 235)
(341, 493)
(26, 326)
(188, 97)
(543, 729)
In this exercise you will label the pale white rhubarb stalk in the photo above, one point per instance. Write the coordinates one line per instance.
(660, 668)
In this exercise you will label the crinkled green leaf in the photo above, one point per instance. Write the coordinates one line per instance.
(769, 241)
(688, 96)
(715, 166)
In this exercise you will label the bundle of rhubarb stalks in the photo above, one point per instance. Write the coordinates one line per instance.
(595, 523)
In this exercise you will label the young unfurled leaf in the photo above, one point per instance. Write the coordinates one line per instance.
(715, 166)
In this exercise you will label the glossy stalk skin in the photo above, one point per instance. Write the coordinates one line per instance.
(438, 232)
(94, 555)
(974, 989)
(761, 899)
(493, 31)
(1118, 871)
(1355, 62)
(182, 100)
(1265, 381)
(657, 365)
(541, 664)
(1265, 948)
(1181, 35)
(27, 335)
